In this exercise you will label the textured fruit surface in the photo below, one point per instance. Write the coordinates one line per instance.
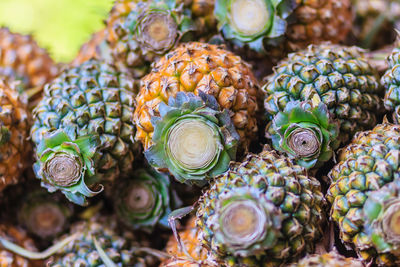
(340, 76)
(317, 21)
(299, 208)
(83, 252)
(332, 259)
(365, 165)
(391, 81)
(92, 102)
(14, 131)
(141, 32)
(21, 55)
(195, 67)
(19, 237)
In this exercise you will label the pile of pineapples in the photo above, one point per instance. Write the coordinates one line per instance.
(206, 133)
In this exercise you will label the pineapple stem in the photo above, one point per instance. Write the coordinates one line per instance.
(158, 31)
(303, 142)
(64, 169)
(249, 16)
(242, 222)
(36, 255)
(46, 219)
(140, 198)
(192, 144)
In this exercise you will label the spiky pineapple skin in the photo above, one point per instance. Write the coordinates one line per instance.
(82, 251)
(368, 163)
(19, 237)
(340, 76)
(25, 58)
(289, 188)
(391, 81)
(14, 152)
(195, 67)
(332, 259)
(318, 21)
(93, 98)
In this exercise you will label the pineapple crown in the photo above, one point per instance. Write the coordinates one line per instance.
(145, 200)
(306, 132)
(266, 24)
(192, 138)
(245, 223)
(158, 25)
(382, 216)
(65, 164)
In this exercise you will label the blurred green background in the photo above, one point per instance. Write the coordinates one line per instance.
(60, 26)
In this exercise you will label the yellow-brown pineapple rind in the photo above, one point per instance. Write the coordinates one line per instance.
(317, 21)
(22, 55)
(91, 49)
(15, 118)
(194, 67)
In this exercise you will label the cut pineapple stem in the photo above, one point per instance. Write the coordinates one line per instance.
(249, 17)
(193, 143)
(159, 31)
(46, 220)
(391, 225)
(242, 222)
(303, 142)
(64, 169)
(140, 198)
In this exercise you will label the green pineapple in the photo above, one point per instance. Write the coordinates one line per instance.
(144, 199)
(391, 81)
(305, 132)
(264, 211)
(83, 130)
(141, 32)
(338, 76)
(367, 164)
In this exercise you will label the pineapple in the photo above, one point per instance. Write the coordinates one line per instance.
(83, 130)
(22, 59)
(263, 210)
(306, 132)
(206, 70)
(14, 131)
(46, 216)
(367, 164)
(93, 49)
(96, 242)
(141, 32)
(291, 24)
(381, 211)
(331, 259)
(391, 81)
(338, 76)
(144, 199)
(18, 236)
(190, 239)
